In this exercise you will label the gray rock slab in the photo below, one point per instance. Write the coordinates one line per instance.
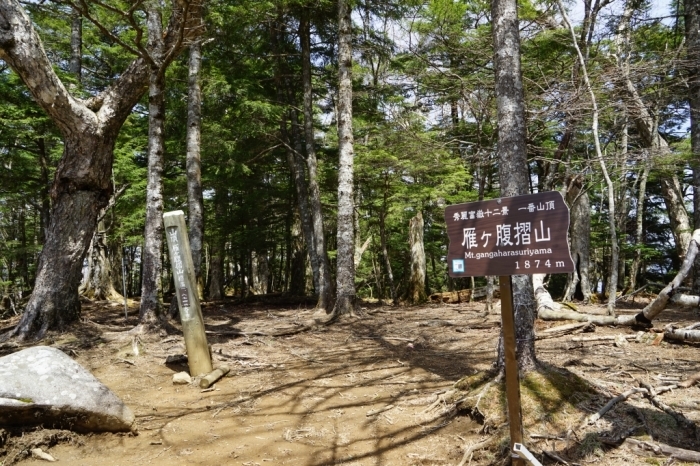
(44, 386)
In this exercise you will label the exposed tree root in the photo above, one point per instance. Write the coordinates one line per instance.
(470, 449)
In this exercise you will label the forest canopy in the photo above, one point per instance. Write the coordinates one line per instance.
(424, 127)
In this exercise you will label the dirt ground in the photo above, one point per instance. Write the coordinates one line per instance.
(356, 392)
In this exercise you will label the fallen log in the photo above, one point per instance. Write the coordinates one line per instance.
(681, 334)
(211, 378)
(644, 447)
(547, 309)
(603, 338)
(686, 300)
(462, 296)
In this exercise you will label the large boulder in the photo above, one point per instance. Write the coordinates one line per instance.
(44, 386)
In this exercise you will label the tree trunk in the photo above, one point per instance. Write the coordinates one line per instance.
(648, 131)
(691, 9)
(151, 288)
(297, 168)
(578, 285)
(346, 299)
(639, 225)
(614, 245)
(416, 286)
(297, 281)
(259, 273)
(512, 158)
(318, 242)
(195, 201)
(98, 282)
(218, 248)
(82, 185)
(383, 240)
(75, 66)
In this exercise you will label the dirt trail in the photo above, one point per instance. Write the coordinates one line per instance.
(353, 393)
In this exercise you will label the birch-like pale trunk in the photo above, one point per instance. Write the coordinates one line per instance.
(512, 162)
(82, 183)
(614, 246)
(195, 200)
(324, 287)
(346, 298)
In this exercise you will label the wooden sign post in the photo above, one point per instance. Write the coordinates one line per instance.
(198, 356)
(519, 235)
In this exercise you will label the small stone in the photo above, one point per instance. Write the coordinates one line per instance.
(621, 341)
(42, 455)
(182, 378)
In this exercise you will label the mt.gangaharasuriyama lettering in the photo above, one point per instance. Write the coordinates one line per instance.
(513, 235)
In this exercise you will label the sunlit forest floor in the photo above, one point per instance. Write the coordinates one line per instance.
(356, 392)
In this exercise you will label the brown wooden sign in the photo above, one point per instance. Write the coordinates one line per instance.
(509, 236)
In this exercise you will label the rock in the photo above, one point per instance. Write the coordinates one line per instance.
(42, 455)
(182, 378)
(44, 386)
(621, 341)
(176, 359)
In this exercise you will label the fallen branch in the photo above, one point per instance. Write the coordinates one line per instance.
(374, 412)
(567, 329)
(609, 405)
(603, 338)
(642, 448)
(690, 381)
(622, 397)
(679, 417)
(258, 333)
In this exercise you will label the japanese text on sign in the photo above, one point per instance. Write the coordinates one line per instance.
(179, 271)
(516, 235)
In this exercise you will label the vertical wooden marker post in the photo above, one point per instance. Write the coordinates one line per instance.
(515, 418)
(505, 237)
(198, 356)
